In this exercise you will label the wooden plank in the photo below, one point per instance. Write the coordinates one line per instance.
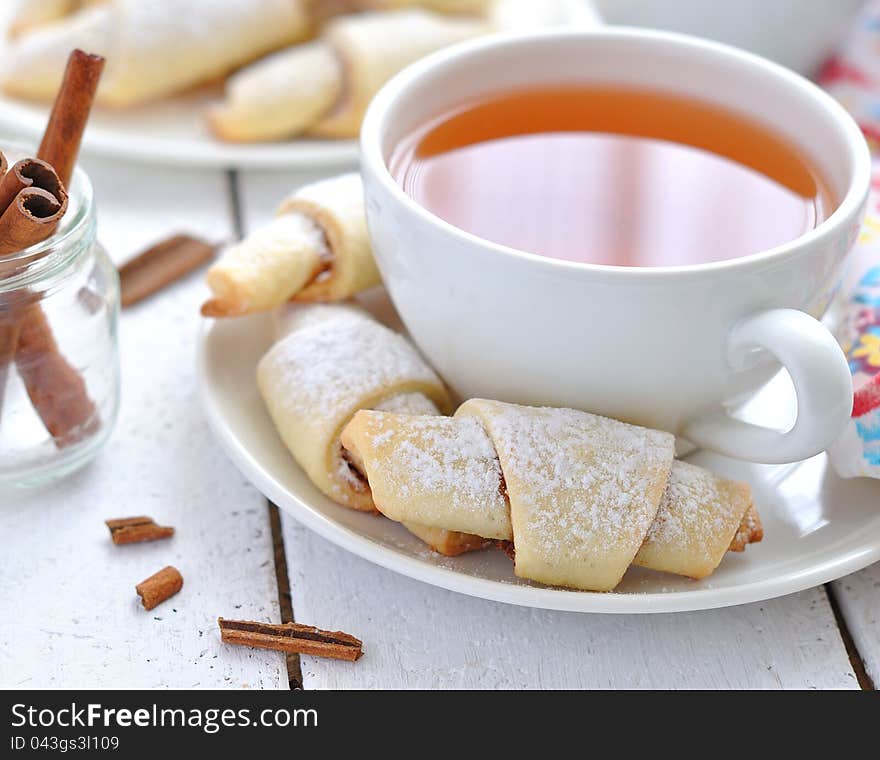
(69, 616)
(417, 636)
(256, 196)
(858, 596)
(420, 637)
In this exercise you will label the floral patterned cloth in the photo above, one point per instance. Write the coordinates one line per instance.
(853, 77)
(857, 451)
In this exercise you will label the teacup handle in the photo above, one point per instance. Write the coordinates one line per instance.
(821, 379)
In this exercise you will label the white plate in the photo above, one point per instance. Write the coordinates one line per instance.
(173, 132)
(817, 526)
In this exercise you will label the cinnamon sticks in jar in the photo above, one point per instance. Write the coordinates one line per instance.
(33, 200)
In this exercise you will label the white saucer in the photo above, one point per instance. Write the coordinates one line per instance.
(817, 526)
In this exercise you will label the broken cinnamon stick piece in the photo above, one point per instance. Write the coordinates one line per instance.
(291, 637)
(56, 390)
(161, 265)
(159, 587)
(70, 113)
(132, 530)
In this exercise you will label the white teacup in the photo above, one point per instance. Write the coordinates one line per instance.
(667, 347)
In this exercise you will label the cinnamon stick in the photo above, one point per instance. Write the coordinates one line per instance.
(131, 530)
(70, 113)
(56, 389)
(291, 637)
(162, 264)
(159, 587)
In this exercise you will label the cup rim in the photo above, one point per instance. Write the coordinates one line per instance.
(851, 204)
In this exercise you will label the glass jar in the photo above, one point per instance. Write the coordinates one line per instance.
(59, 371)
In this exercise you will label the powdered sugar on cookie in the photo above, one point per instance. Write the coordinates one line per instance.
(422, 469)
(333, 362)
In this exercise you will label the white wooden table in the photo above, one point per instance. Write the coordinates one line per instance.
(69, 616)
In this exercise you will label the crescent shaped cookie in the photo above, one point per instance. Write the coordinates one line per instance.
(154, 49)
(337, 206)
(334, 362)
(317, 249)
(279, 96)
